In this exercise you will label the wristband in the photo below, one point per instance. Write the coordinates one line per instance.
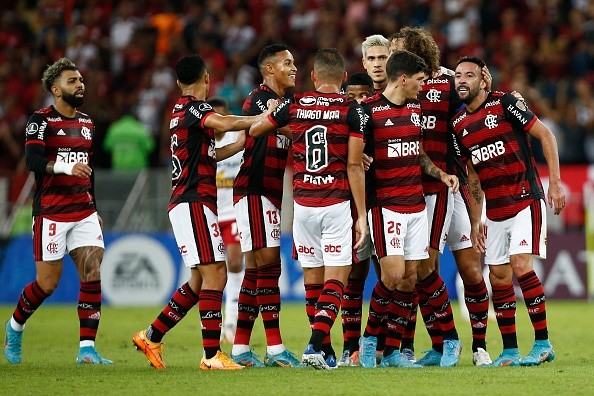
(63, 167)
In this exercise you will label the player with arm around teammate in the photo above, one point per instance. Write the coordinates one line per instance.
(193, 215)
(327, 131)
(397, 214)
(491, 133)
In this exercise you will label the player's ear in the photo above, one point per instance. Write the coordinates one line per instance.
(344, 77)
(206, 79)
(483, 83)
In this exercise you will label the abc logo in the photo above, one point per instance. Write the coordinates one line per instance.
(332, 249)
(305, 250)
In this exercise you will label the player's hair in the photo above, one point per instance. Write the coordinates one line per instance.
(53, 72)
(404, 62)
(472, 59)
(269, 51)
(420, 42)
(372, 41)
(359, 79)
(217, 101)
(329, 64)
(190, 69)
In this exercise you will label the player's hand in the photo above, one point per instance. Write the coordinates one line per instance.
(487, 77)
(81, 170)
(360, 231)
(517, 95)
(477, 236)
(367, 160)
(451, 181)
(271, 104)
(556, 196)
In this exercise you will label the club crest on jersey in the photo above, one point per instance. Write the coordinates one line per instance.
(415, 119)
(86, 132)
(433, 95)
(491, 121)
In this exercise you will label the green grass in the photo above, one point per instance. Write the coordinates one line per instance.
(50, 347)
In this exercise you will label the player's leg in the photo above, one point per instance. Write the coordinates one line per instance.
(468, 262)
(247, 214)
(234, 278)
(351, 312)
(85, 243)
(49, 247)
(504, 297)
(528, 238)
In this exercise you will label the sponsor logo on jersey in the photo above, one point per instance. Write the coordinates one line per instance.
(493, 103)
(402, 149)
(54, 119)
(460, 118)
(32, 128)
(72, 157)
(517, 114)
(85, 120)
(380, 108)
(174, 122)
(318, 180)
(195, 112)
(307, 101)
(413, 105)
(487, 152)
(436, 81)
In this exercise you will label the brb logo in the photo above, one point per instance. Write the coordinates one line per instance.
(487, 152)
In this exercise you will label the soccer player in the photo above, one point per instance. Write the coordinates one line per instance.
(226, 172)
(327, 131)
(398, 217)
(358, 86)
(257, 196)
(193, 215)
(491, 133)
(449, 221)
(58, 151)
(375, 51)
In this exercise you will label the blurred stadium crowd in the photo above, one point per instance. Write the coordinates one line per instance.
(126, 49)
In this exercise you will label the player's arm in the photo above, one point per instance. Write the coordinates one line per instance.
(477, 197)
(555, 194)
(278, 119)
(225, 123)
(356, 176)
(222, 153)
(428, 167)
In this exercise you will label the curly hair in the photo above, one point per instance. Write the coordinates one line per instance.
(420, 42)
(53, 72)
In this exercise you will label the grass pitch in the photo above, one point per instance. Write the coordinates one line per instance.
(50, 345)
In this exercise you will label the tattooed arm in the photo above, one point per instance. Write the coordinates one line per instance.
(477, 197)
(428, 167)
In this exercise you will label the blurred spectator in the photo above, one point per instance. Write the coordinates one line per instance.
(129, 143)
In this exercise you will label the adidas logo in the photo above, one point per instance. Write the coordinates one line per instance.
(61, 132)
(464, 132)
(389, 123)
(523, 243)
(96, 316)
(323, 313)
(100, 237)
(464, 238)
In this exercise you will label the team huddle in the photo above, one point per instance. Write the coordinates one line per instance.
(389, 166)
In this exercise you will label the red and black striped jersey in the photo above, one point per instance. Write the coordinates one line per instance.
(321, 125)
(394, 178)
(264, 158)
(439, 103)
(62, 197)
(494, 138)
(193, 155)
